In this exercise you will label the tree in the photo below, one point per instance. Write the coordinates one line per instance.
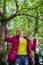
(23, 13)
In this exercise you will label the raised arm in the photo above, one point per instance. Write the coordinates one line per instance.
(35, 43)
(6, 37)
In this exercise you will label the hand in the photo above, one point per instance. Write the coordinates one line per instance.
(3, 36)
(7, 28)
(36, 36)
(37, 50)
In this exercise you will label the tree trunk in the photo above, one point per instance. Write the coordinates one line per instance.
(2, 52)
(36, 31)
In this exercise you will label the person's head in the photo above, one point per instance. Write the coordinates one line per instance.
(19, 31)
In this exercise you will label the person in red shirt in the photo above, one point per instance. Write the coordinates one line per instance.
(20, 53)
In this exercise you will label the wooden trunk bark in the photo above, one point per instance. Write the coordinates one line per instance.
(2, 52)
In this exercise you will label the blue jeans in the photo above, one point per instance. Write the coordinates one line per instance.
(21, 60)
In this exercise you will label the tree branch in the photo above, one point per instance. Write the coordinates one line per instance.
(4, 6)
(14, 15)
(1, 14)
(32, 7)
(36, 25)
(17, 7)
(28, 15)
(11, 17)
